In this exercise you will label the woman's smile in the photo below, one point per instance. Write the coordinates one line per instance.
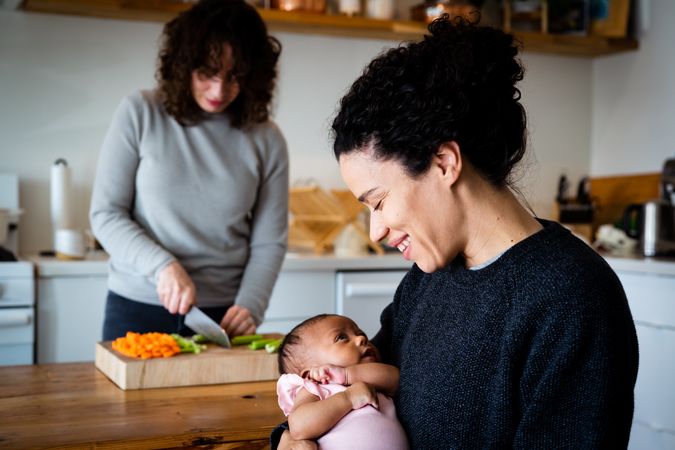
(416, 228)
(403, 245)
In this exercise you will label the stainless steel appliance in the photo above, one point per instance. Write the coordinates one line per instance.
(17, 286)
(655, 220)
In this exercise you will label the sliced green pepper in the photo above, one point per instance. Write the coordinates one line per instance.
(257, 345)
(272, 347)
(245, 339)
(188, 345)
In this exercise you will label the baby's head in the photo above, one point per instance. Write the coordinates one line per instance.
(324, 339)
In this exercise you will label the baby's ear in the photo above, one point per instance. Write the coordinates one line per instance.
(304, 373)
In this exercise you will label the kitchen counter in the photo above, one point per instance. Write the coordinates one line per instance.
(76, 406)
(96, 263)
(641, 264)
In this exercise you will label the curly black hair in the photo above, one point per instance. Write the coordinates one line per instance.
(194, 41)
(457, 84)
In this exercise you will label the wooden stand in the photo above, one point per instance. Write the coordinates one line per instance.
(319, 217)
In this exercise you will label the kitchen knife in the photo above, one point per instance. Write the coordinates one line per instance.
(207, 327)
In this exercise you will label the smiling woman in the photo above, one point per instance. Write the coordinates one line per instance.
(191, 193)
(508, 331)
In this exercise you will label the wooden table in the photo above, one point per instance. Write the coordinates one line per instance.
(75, 406)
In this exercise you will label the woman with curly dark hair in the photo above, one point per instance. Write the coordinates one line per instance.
(509, 332)
(191, 193)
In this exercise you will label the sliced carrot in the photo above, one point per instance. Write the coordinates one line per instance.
(146, 345)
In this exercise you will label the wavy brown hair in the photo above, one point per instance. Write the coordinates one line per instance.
(194, 41)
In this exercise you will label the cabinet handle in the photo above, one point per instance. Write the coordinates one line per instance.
(370, 289)
(14, 319)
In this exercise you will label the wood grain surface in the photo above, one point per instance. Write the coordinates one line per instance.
(214, 366)
(611, 195)
(75, 406)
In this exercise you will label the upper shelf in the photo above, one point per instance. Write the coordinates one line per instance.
(334, 25)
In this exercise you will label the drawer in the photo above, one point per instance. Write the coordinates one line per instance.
(654, 393)
(651, 297)
(363, 295)
(17, 326)
(16, 292)
(301, 295)
(14, 354)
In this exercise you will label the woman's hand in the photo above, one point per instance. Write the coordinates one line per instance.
(287, 443)
(361, 394)
(237, 321)
(175, 289)
(328, 374)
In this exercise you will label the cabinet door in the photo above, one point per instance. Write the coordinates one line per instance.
(70, 318)
(652, 302)
(363, 295)
(298, 295)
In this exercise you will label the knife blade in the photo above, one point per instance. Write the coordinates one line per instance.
(207, 327)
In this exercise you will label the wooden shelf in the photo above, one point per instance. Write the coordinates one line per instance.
(332, 25)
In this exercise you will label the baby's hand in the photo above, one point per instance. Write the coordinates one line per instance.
(362, 394)
(328, 374)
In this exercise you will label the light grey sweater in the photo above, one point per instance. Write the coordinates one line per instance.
(211, 196)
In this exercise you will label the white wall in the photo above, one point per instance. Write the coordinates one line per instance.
(634, 100)
(61, 78)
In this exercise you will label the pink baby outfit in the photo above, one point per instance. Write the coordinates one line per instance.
(362, 429)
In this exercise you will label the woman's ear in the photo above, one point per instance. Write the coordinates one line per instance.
(449, 159)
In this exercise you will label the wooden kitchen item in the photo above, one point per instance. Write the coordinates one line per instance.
(216, 365)
(318, 217)
(353, 208)
(611, 195)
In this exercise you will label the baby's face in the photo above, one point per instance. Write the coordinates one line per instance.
(337, 341)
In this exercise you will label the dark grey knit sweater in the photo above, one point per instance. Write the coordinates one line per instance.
(535, 351)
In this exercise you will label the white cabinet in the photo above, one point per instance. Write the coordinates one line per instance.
(301, 294)
(70, 317)
(363, 295)
(17, 313)
(652, 301)
(298, 295)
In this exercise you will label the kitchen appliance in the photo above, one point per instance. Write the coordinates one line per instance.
(10, 212)
(655, 220)
(207, 327)
(668, 182)
(17, 286)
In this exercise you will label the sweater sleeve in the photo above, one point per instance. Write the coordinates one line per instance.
(269, 231)
(576, 389)
(113, 195)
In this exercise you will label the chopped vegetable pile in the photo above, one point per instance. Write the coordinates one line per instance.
(156, 345)
(146, 345)
(163, 345)
(190, 345)
(257, 342)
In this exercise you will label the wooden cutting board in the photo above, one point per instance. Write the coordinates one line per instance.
(216, 365)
